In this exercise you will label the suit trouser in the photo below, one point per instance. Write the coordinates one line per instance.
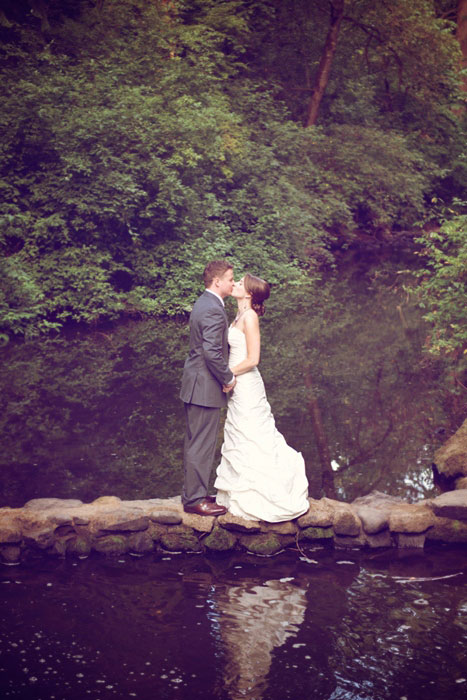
(202, 425)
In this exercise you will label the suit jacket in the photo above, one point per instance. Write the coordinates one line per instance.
(206, 367)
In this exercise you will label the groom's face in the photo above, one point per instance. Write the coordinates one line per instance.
(226, 283)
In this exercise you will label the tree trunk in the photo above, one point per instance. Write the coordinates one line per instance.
(320, 437)
(327, 57)
(461, 35)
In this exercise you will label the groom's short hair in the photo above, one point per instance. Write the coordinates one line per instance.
(216, 268)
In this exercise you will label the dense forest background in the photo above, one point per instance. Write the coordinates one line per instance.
(141, 138)
(318, 143)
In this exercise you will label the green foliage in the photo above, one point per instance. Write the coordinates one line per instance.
(93, 413)
(442, 289)
(126, 169)
(375, 173)
(355, 344)
(141, 139)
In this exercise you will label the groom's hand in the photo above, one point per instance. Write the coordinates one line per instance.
(228, 387)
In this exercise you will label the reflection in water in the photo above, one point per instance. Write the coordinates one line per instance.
(254, 620)
(97, 413)
(229, 629)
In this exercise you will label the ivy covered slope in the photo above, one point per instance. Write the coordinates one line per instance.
(143, 137)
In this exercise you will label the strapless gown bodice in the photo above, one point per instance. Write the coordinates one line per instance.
(260, 477)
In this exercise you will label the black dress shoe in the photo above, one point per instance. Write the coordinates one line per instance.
(205, 508)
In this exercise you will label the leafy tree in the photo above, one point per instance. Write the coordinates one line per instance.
(142, 138)
(121, 165)
(442, 292)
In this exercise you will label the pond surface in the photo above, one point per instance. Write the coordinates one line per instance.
(97, 412)
(316, 624)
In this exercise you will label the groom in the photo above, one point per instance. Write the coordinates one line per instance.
(206, 381)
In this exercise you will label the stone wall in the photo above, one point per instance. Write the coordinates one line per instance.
(450, 461)
(113, 527)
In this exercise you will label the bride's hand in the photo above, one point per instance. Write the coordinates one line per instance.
(228, 388)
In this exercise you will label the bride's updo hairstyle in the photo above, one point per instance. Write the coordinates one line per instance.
(259, 290)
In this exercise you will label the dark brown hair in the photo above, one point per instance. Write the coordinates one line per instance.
(259, 290)
(216, 268)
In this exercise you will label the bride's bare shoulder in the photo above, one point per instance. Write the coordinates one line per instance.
(251, 318)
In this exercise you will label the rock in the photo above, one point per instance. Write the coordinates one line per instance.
(10, 554)
(41, 538)
(64, 531)
(237, 524)
(107, 501)
(140, 543)
(461, 483)
(411, 518)
(374, 520)
(344, 519)
(120, 520)
(377, 499)
(149, 503)
(201, 523)
(380, 539)
(59, 547)
(317, 533)
(346, 522)
(10, 534)
(285, 528)
(156, 530)
(47, 503)
(412, 541)
(320, 514)
(265, 544)
(374, 510)
(451, 458)
(452, 504)
(349, 541)
(169, 517)
(80, 546)
(48, 510)
(180, 541)
(448, 530)
(59, 517)
(220, 540)
(131, 525)
(111, 544)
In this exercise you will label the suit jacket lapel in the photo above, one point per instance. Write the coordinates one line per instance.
(218, 301)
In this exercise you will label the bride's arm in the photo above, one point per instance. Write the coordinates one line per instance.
(253, 343)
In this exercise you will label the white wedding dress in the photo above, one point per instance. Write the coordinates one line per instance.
(260, 477)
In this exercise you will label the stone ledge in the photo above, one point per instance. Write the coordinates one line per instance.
(451, 458)
(113, 526)
(452, 504)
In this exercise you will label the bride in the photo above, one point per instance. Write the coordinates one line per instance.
(260, 477)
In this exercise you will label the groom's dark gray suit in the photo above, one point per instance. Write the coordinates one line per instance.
(205, 372)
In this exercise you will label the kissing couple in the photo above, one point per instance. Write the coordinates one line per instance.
(260, 477)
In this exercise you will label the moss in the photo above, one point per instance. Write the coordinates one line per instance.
(220, 540)
(140, 543)
(317, 533)
(180, 542)
(111, 544)
(156, 531)
(261, 544)
(79, 545)
(10, 554)
(451, 531)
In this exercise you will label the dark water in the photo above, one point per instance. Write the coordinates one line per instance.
(97, 412)
(327, 625)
